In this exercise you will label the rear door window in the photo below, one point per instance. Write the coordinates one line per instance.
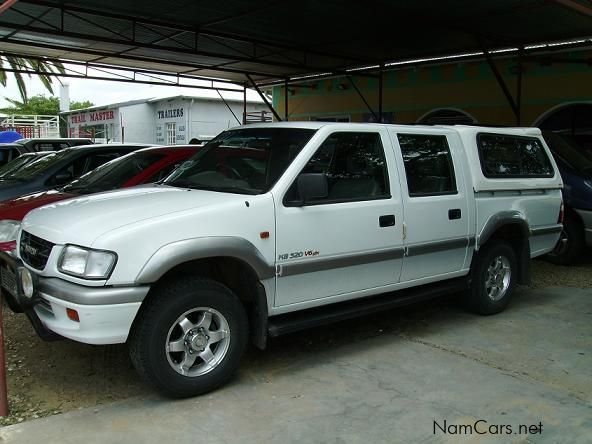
(428, 164)
(505, 156)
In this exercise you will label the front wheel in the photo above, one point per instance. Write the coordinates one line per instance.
(493, 278)
(189, 338)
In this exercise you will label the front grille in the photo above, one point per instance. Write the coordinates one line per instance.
(34, 250)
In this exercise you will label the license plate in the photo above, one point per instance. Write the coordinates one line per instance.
(8, 280)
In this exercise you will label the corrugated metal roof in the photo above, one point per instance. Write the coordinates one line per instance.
(274, 40)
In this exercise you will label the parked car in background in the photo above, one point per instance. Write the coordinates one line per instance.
(575, 165)
(147, 165)
(60, 168)
(10, 151)
(52, 144)
(21, 161)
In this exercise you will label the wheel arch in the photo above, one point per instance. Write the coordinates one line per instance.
(234, 262)
(510, 226)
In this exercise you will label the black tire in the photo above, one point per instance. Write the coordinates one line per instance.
(157, 322)
(570, 245)
(481, 297)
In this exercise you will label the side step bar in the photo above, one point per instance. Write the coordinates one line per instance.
(314, 317)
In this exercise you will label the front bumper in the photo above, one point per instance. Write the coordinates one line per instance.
(105, 313)
(586, 216)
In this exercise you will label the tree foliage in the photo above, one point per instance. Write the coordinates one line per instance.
(41, 105)
(21, 67)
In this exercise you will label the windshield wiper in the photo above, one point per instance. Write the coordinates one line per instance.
(227, 189)
(222, 189)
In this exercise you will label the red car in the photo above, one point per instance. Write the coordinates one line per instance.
(147, 165)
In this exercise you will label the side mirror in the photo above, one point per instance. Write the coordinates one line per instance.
(312, 186)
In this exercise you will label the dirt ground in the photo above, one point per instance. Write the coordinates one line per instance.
(46, 378)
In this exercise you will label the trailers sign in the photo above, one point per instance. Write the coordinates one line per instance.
(93, 117)
(170, 113)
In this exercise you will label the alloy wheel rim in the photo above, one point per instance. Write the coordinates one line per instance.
(197, 341)
(497, 279)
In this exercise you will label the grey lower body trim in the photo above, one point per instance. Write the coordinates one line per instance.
(79, 294)
(551, 229)
(350, 260)
(437, 246)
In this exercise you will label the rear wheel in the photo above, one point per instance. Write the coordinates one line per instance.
(493, 278)
(190, 337)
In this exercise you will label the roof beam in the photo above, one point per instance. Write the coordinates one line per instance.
(178, 26)
(576, 6)
(7, 4)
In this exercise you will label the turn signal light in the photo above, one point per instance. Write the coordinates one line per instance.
(561, 213)
(72, 314)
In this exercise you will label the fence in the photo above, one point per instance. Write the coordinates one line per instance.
(32, 125)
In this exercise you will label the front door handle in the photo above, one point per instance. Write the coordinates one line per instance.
(455, 213)
(388, 220)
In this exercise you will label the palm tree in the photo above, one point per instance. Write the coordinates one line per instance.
(43, 68)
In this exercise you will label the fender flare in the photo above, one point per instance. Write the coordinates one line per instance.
(498, 220)
(177, 253)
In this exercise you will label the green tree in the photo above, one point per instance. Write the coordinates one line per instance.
(42, 68)
(79, 105)
(41, 105)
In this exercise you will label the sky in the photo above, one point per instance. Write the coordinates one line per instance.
(104, 92)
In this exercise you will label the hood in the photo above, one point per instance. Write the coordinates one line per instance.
(9, 189)
(84, 219)
(16, 209)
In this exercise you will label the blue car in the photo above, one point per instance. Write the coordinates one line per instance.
(575, 165)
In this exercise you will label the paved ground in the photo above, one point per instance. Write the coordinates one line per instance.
(381, 379)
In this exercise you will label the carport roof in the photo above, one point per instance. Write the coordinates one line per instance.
(278, 40)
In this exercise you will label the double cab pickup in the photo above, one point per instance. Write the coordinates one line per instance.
(274, 228)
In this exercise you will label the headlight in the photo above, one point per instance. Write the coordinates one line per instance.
(8, 230)
(86, 263)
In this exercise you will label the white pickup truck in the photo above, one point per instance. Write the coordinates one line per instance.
(274, 228)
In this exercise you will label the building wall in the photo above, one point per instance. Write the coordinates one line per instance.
(168, 121)
(410, 93)
(138, 124)
(212, 117)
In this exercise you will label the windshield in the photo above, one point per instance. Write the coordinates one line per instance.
(569, 152)
(114, 174)
(33, 169)
(244, 161)
(15, 164)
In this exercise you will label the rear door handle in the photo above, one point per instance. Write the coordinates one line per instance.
(388, 220)
(454, 213)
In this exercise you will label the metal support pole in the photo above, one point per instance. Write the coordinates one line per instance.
(351, 80)
(3, 386)
(276, 115)
(228, 106)
(380, 94)
(519, 89)
(286, 100)
(501, 83)
(244, 104)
